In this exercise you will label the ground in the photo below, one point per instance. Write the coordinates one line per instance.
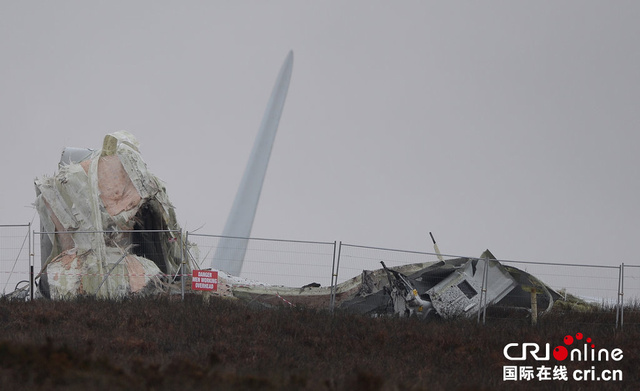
(165, 343)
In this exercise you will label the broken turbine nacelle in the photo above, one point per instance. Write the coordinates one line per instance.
(468, 288)
(109, 229)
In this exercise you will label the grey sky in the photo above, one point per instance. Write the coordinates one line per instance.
(504, 125)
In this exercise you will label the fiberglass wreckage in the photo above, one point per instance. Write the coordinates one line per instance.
(109, 228)
(458, 287)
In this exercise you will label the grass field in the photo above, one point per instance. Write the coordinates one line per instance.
(168, 344)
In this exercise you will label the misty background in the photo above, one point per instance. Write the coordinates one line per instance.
(499, 125)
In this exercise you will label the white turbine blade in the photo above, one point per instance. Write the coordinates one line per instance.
(230, 253)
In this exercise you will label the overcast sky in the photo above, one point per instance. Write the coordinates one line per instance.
(512, 126)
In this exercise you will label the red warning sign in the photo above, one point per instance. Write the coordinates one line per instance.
(204, 280)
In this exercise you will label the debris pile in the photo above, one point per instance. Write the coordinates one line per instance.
(459, 287)
(109, 227)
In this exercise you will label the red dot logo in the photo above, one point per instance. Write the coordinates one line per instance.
(568, 340)
(579, 336)
(560, 353)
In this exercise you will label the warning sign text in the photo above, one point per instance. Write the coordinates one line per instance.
(204, 280)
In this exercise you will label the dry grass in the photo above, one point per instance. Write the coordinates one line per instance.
(165, 344)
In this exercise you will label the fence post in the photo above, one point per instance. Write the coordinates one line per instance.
(482, 309)
(31, 264)
(486, 285)
(334, 276)
(618, 298)
(620, 304)
(622, 296)
(182, 264)
(480, 300)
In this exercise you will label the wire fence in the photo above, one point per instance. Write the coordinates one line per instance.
(106, 264)
(353, 259)
(631, 287)
(270, 261)
(632, 283)
(15, 247)
(591, 283)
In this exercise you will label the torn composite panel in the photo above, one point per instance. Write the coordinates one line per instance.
(99, 213)
(459, 294)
